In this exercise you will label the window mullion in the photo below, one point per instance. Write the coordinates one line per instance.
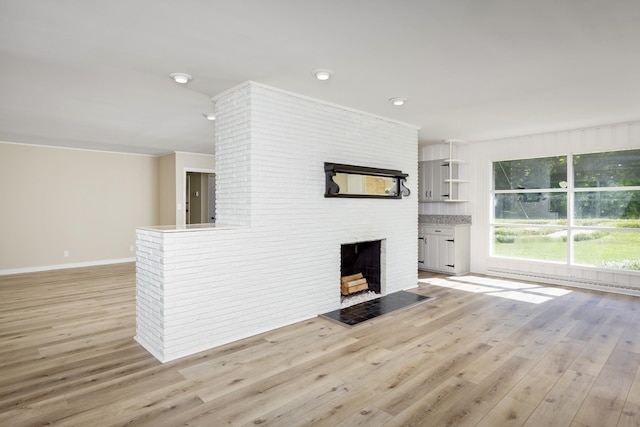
(570, 208)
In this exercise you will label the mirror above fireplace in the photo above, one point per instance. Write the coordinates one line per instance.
(364, 182)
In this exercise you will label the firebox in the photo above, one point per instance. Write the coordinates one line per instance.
(362, 258)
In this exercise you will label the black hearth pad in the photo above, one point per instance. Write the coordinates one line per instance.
(367, 310)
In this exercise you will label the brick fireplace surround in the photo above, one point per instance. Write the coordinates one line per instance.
(273, 259)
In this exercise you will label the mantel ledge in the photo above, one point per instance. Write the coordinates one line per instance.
(177, 228)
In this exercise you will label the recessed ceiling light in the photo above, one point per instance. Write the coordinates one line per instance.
(181, 78)
(398, 101)
(209, 116)
(322, 74)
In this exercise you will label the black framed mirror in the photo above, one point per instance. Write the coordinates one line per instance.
(364, 182)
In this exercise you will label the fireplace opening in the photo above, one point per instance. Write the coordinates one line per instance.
(360, 272)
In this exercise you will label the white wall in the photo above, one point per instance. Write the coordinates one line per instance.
(282, 264)
(85, 202)
(603, 138)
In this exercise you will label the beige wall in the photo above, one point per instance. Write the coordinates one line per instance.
(167, 185)
(85, 202)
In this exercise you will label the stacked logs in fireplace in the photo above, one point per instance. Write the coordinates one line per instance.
(353, 283)
(361, 259)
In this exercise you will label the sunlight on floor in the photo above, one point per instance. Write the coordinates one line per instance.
(519, 291)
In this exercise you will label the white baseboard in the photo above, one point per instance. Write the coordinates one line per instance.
(62, 266)
(570, 282)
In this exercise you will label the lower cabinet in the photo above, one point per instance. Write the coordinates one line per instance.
(444, 249)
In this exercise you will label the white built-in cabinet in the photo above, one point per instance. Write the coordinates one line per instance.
(440, 180)
(432, 175)
(444, 249)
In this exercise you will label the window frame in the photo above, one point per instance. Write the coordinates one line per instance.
(570, 225)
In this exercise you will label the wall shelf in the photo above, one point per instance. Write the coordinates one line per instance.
(454, 179)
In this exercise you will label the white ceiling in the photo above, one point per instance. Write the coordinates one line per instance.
(94, 74)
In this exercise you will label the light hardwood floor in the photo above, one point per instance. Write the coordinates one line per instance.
(486, 352)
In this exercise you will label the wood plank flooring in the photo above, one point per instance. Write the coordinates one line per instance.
(486, 352)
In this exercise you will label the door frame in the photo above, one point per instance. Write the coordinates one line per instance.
(184, 187)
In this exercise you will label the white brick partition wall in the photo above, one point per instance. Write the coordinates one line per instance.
(280, 263)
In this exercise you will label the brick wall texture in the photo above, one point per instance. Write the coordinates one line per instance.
(280, 263)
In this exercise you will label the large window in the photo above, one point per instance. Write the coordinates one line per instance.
(580, 209)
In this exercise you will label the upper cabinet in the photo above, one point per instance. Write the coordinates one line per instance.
(440, 180)
(432, 183)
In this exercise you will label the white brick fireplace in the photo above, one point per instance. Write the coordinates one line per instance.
(276, 259)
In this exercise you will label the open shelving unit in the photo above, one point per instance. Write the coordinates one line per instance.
(454, 171)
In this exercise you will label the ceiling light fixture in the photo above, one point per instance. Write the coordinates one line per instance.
(209, 116)
(181, 78)
(322, 74)
(398, 101)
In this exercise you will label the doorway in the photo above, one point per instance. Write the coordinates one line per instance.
(200, 198)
